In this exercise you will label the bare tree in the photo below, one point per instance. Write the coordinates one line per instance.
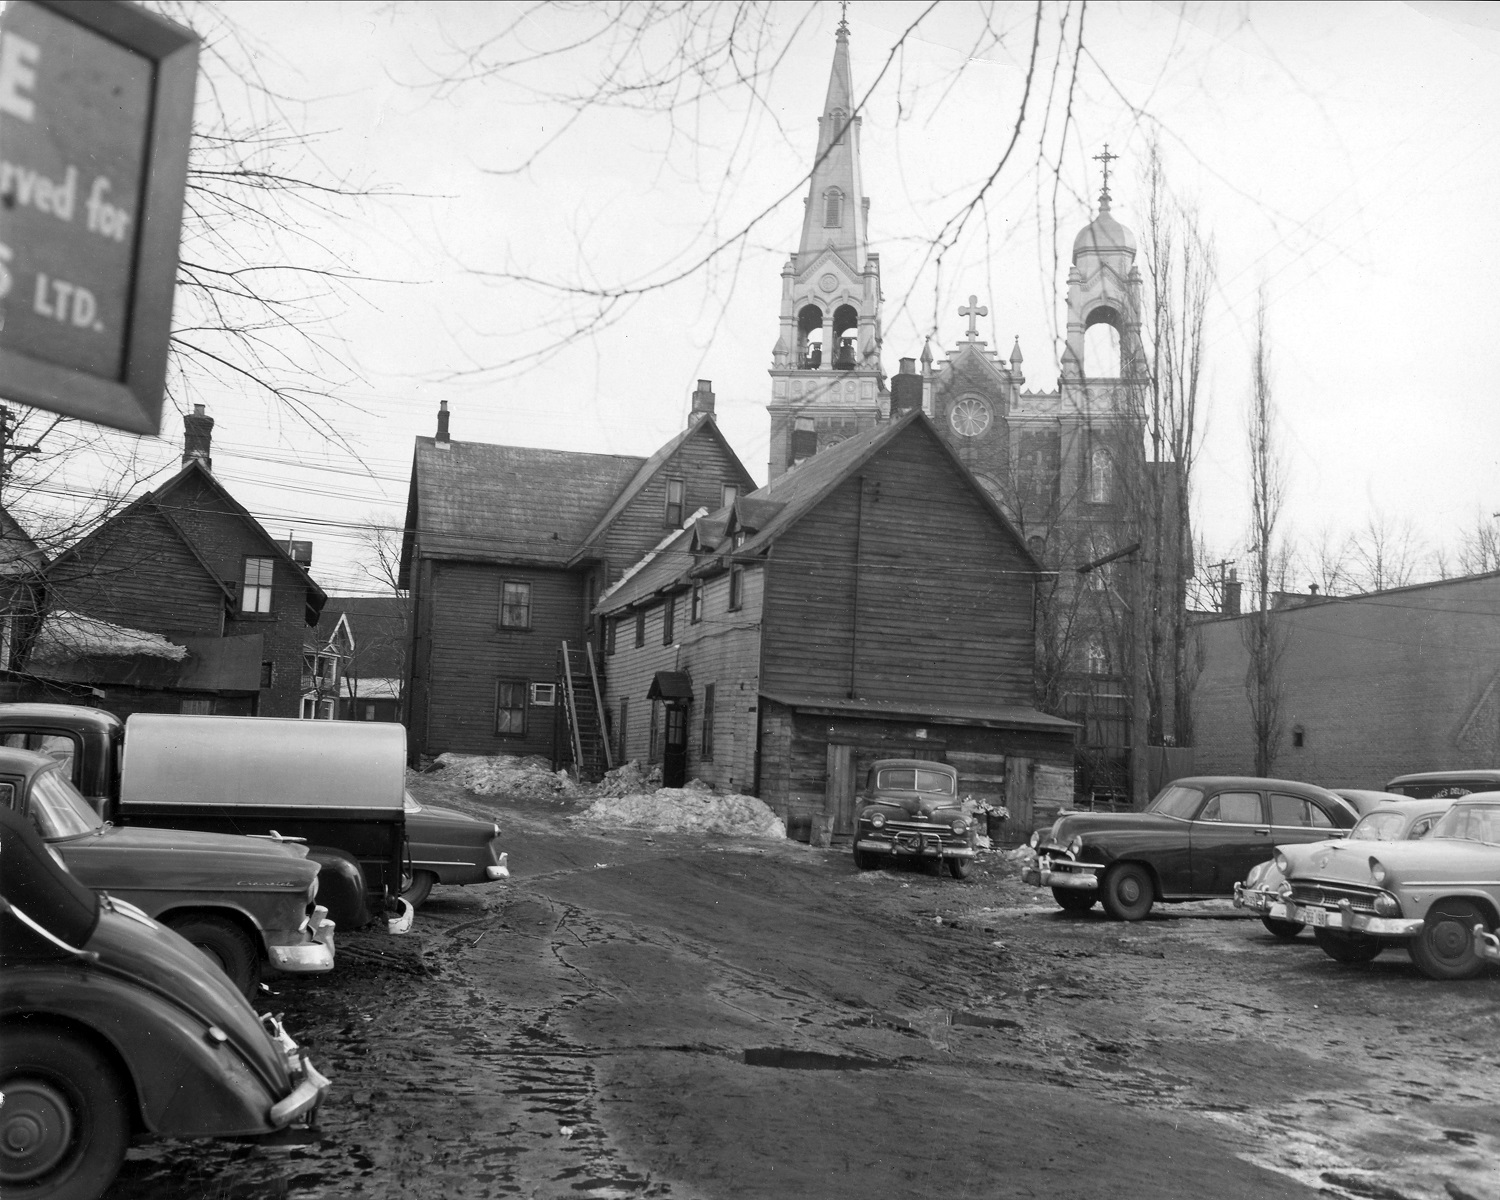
(1385, 552)
(1479, 547)
(1264, 636)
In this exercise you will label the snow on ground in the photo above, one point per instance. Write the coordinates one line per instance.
(696, 808)
(505, 775)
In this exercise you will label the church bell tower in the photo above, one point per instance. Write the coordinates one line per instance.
(826, 382)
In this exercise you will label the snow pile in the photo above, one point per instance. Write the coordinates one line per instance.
(68, 635)
(626, 779)
(506, 775)
(696, 808)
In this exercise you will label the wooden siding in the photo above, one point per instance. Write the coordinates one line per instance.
(943, 593)
(703, 466)
(723, 649)
(463, 653)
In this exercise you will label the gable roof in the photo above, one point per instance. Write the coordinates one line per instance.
(649, 469)
(19, 555)
(786, 500)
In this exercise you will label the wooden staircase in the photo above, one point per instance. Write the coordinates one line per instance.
(582, 702)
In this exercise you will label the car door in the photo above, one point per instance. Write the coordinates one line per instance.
(1296, 820)
(1229, 836)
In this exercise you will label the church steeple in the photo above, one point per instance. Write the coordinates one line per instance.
(825, 366)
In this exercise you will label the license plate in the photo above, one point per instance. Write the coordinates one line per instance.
(1316, 918)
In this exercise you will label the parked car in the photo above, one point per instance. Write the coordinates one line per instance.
(1425, 784)
(1392, 820)
(1195, 841)
(110, 1024)
(334, 785)
(1428, 896)
(246, 903)
(1364, 800)
(911, 809)
(444, 846)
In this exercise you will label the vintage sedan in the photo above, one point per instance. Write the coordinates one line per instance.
(911, 810)
(1429, 896)
(1426, 784)
(1195, 841)
(444, 846)
(244, 902)
(111, 1025)
(1390, 820)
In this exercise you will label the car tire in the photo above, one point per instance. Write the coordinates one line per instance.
(1074, 900)
(1285, 930)
(65, 1124)
(866, 860)
(224, 944)
(1127, 892)
(417, 887)
(1444, 947)
(959, 867)
(1347, 947)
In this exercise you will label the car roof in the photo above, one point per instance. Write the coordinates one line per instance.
(1366, 800)
(1475, 775)
(913, 762)
(24, 762)
(1259, 783)
(1410, 807)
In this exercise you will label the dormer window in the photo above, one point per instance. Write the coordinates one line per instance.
(673, 518)
(833, 209)
(728, 494)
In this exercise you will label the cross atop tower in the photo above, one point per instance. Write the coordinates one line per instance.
(843, 16)
(1106, 158)
(973, 311)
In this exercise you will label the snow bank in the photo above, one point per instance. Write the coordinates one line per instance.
(67, 635)
(506, 775)
(696, 808)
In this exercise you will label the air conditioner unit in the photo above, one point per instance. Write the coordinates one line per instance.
(544, 694)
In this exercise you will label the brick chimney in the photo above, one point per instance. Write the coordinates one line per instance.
(906, 388)
(197, 438)
(442, 432)
(1231, 602)
(703, 401)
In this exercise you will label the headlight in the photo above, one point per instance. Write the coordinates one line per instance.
(1377, 871)
(1036, 839)
(1075, 847)
(960, 826)
(877, 820)
(1281, 863)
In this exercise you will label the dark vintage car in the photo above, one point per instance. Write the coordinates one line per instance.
(112, 1025)
(1390, 820)
(246, 903)
(911, 809)
(1423, 785)
(449, 847)
(1195, 841)
(1433, 897)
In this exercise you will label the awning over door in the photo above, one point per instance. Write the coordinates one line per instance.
(672, 686)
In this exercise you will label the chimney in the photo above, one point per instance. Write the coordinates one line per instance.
(1231, 602)
(1312, 589)
(804, 440)
(906, 388)
(703, 401)
(197, 438)
(442, 433)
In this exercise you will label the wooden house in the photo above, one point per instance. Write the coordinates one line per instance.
(505, 552)
(187, 563)
(374, 674)
(874, 601)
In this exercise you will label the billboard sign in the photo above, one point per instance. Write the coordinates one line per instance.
(96, 111)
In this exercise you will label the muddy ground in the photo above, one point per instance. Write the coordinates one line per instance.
(646, 1015)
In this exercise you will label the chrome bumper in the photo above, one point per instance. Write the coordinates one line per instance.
(311, 1085)
(1486, 944)
(916, 845)
(309, 952)
(498, 870)
(1046, 871)
(1257, 900)
(1315, 916)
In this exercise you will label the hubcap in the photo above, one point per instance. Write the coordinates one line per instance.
(36, 1129)
(1130, 889)
(1449, 939)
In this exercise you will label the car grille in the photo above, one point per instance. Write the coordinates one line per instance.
(924, 827)
(1360, 899)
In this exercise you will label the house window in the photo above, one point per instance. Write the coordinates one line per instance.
(255, 593)
(309, 707)
(668, 620)
(624, 743)
(708, 721)
(267, 674)
(611, 626)
(695, 609)
(833, 208)
(736, 587)
(544, 695)
(198, 708)
(728, 494)
(515, 605)
(369, 712)
(674, 503)
(510, 708)
(640, 627)
(1101, 477)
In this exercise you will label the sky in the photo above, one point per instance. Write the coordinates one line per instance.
(1344, 158)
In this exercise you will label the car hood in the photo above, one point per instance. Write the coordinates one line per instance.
(1092, 825)
(915, 803)
(130, 856)
(449, 827)
(1411, 863)
(132, 946)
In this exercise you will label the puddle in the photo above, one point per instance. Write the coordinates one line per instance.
(812, 1060)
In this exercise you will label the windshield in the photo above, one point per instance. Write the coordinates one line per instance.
(1176, 801)
(1379, 827)
(1470, 823)
(57, 809)
(409, 804)
(914, 779)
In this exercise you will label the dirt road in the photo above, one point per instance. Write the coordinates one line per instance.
(642, 1015)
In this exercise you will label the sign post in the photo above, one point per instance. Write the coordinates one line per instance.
(96, 115)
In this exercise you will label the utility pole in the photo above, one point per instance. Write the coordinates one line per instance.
(1139, 703)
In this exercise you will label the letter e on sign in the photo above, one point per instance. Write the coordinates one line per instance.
(96, 113)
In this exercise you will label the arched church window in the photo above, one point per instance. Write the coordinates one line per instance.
(810, 338)
(845, 337)
(969, 417)
(833, 208)
(1096, 660)
(1101, 476)
(839, 120)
